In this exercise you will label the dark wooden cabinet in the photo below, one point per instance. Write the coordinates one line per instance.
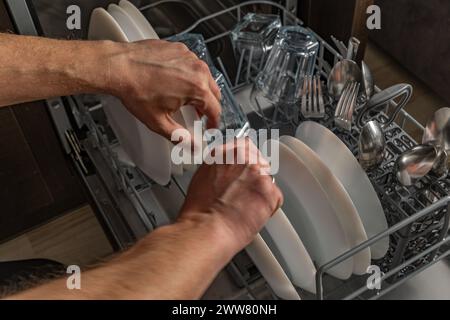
(417, 34)
(342, 18)
(37, 179)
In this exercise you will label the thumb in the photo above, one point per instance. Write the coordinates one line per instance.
(167, 127)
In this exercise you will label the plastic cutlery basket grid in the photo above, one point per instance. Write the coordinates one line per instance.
(418, 216)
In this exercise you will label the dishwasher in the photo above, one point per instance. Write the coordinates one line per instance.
(131, 205)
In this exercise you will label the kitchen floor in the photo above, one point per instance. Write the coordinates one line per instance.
(77, 237)
(387, 72)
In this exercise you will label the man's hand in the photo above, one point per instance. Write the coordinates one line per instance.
(240, 196)
(154, 78)
(225, 207)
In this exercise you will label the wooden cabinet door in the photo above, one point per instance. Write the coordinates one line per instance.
(341, 18)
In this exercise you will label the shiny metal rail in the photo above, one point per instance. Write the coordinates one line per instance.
(435, 206)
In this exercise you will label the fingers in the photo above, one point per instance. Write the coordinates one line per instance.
(205, 93)
(215, 88)
(278, 198)
(167, 125)
(210, 107)
(269, 192)
(259, 167)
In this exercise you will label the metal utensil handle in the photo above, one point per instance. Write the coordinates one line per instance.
(350, 50)
(355, 45)
(384, 97)
(340, 46)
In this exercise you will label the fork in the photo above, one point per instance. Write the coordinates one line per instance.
(343, 116)
(312, 98)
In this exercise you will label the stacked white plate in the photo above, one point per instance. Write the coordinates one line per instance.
(146, 149)
(344, 166)
(329, 199)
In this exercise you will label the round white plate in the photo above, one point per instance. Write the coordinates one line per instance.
(310, 212)
(134, 20)
(339, 159)
(292, 251)
(338, 197)
(122, 156)
(102, 26)
(126, 23)
(143, 24)
(148, 150)
(271, 270)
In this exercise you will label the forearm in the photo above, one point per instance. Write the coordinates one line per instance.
(35, 68)
(173, 262)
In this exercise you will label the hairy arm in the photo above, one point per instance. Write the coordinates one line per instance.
(226, 205)
(36, 68)
(174, 262)
(153, 78)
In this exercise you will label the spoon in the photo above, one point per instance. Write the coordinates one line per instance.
(438, 128)
(343, 72)
(415, 164)
(441, 165)
(371, 142)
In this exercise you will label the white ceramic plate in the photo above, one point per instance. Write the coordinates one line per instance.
(292, 251)
(142, 23)
(102, 26)
(310, 212)
(126, 23)
(122, 156)
(271, 270)
(148, 150)
(187, 114)
(132, 21)
(338, 197)
(339, 159)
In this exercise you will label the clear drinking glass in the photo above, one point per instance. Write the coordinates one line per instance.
(252, 40)
(292, 58)
(196, 43)
(256, 32)
(232, 116)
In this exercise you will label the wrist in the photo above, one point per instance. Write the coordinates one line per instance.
(213, 230)
(91, 68)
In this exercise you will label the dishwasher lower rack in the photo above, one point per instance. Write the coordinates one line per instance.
(418, 216)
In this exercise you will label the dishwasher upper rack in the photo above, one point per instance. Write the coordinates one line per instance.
(403, 222)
